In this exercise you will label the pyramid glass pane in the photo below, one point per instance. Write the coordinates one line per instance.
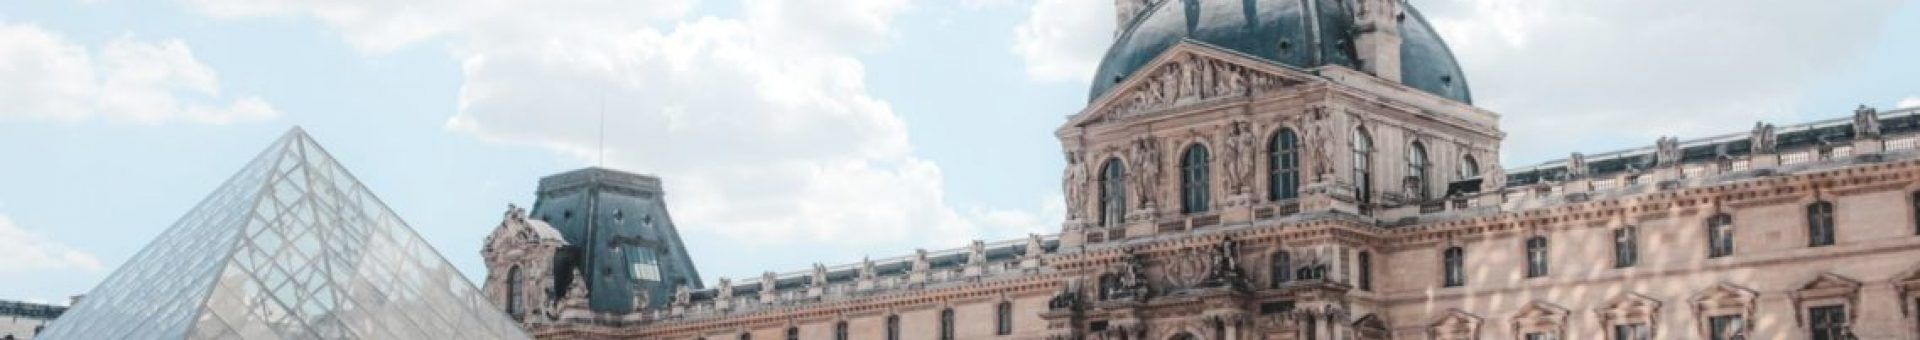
(292, 247)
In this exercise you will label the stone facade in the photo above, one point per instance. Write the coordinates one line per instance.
(1214, 195)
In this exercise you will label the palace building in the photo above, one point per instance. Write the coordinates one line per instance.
(1310, 169)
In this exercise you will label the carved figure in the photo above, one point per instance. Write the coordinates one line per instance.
(1034, 248)
(768, 281)
(977, 253)
(1320, 155)
(1492, 177)
(1239, 152)
(1666, 152)
(819, 275)
(1576, 165)
(1866, 123)
(1146, 168)
(1075, 185)
(1763, 138)
(682, 296)
(725, 289)
(866, 268)
(1068, 298)
(920, 263)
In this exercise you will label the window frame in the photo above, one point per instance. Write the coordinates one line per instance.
(1361, 147)
(1721, 233)
(946, 324)
(1365, 260)
(1626, 246)
(1003, 318)
(1538, 257)
(1419, 172)
(1280, 267)
(1820, 224)
(1283, 165)
(1196, 179)
(1113, 192)
(1453, 266)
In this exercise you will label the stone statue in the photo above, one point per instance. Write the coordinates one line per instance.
(977, 253)
(577, 291)
(1666, 152)
(768, 283)
(1238, 154)
(1034, 247)
(819, 275)
(1225, 268)
(1320, 155)
(1763, 138)
(1075, 185)
(1146, 170)
(1866, 123)
(1492, 177)
(682, 295)
(1576, 165)
(866, 268)
(725, 289)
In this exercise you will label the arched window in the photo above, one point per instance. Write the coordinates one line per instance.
(1537, 256)
(515, 290)
(893, 327)
(1820, 224)
(1194, 180)
(1417, 170)
(1366, 271)
(1455, 261)
(1469, 168)
(1113, 193)
(1281, 265)
(946, 324)
(793, 333)
(1003, 319)
(840, 330)
(1626, 246)
(1283, 166)
(1719, 235)
(1362, 167)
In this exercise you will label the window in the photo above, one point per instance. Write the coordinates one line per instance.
(793, 333)
(1281, 265)
(1366, 271)
(1417, 170)
(1193, 180)
(646, 265)
(1632, 331)
(1626, 246)
(1455, 261)
(946, 324)
(840, 330)
(1820, 224)
(1362, 167)
(1720, 235)
(893, 327)
(1726, 327)
(1283, 166)
(1003, 319)
(515, 307)
(746, 336)
(1539, 336)
(1113, 193)
(1537, 256)
(1915, 200)
(1829, 323)
(1469, 168)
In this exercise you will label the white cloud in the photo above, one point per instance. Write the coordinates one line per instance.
(45, 76)
(762, 125)
(23, 250)
(1638, 69)
(1908, 102)
(1063, 40)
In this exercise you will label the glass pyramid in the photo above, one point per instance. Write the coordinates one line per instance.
(292, 247)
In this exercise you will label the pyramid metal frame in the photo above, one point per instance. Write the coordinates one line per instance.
(291, 247)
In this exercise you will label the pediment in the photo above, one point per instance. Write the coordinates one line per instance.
(1456, 318)
(1827, 285)
(1725, 294)
(1630, 302)
(1189, 74)
(1541, 309)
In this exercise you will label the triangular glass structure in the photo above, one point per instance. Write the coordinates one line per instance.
(292, 247)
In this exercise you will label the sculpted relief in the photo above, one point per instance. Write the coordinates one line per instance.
(1146, 167)
(1240, 141)
(1192, 79)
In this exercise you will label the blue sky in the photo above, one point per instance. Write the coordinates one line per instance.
(788, 131)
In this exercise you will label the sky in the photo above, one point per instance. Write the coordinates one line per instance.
(787, 132)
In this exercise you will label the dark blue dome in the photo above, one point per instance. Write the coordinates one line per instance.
(1278, 30)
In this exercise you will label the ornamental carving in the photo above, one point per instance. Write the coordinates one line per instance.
(1666, 152)
(1320, 156)
(1866, 123)
(1075, 184)
(1146, 167)
(1239, 143)
(1763, 138)
(1190, 79)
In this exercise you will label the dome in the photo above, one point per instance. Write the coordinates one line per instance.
(1280, 31)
